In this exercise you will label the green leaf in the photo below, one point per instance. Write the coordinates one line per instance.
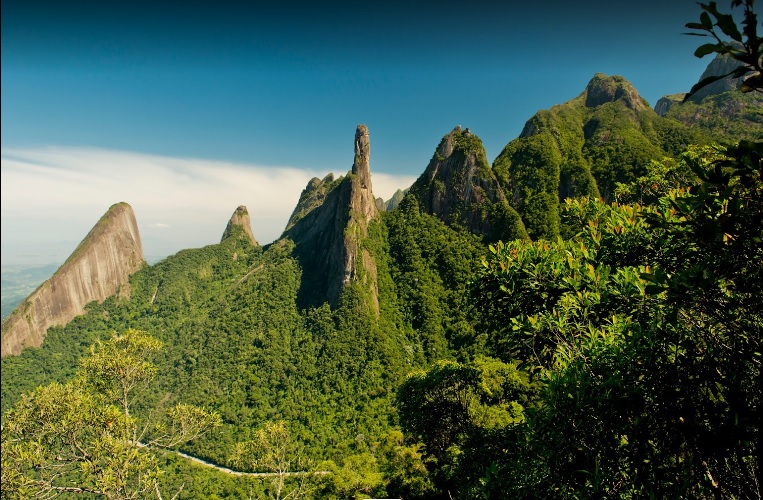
(727, 25)
(707, 48)
(695, 26)
(653, 289)
(710, 79)
(707, 23)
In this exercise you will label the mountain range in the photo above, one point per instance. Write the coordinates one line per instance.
(320, 327)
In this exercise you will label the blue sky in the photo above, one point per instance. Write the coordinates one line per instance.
(188, 110)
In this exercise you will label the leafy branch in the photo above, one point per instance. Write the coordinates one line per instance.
(744, 47)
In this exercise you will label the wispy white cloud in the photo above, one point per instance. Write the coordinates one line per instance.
(52, 196)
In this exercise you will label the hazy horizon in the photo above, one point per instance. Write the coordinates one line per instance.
(186, 111)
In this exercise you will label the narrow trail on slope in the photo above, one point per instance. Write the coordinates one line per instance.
(239, 473)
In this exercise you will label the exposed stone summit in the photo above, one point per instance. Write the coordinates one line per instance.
(99, 267)
(239, 226)
(328, 225)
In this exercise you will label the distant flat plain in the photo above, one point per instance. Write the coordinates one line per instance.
(18, 281)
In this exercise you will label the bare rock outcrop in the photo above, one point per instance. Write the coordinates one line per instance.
(721, 65)
(328, 226)
(666, 102)
(603, 89)
(98, 268)
(239, 226)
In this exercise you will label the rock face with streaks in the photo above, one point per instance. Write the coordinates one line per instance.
(239, 226)
(721, 65)
(99, 267)
(328, 226)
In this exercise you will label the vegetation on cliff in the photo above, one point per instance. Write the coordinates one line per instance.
(617, 353)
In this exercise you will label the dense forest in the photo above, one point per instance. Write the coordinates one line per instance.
(611, 347)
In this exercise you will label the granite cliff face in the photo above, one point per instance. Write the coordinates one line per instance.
(459, 187)
(328, 226)
(98, 268)
(721, 65)
(719, 110)
(664, 104)
(239, 226)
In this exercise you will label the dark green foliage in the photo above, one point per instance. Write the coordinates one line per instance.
(531, 170)
(726, 117)
(506, 223)
(645, 331)
(745, 45)
(431, 265)
(617, 147)
(457, 410)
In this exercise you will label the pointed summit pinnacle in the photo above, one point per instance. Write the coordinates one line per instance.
(362, 165)
(239, 221)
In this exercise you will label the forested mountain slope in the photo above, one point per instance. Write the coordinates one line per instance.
(607, 134)
(360, 322)
(240, 341)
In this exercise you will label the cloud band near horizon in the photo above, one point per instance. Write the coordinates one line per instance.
(52, 196)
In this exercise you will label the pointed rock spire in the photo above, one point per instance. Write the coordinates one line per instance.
(239, 224)
(362, 198)
(362, 164)
(328, 226)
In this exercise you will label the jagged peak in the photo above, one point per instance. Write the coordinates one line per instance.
(362, 164)
(459, 186)
(364, 199)
(603, 89)
(239, 221)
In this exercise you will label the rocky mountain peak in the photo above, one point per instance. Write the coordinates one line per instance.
(603, 89)
(721, 65)
(363, 197)
(239, 226)
(362, 164)
(98, 268)
(328, 226)
(459, 187)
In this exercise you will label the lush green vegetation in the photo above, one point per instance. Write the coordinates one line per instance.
(80, 437)
(727, 117)
(238, 344)
(616, 355)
